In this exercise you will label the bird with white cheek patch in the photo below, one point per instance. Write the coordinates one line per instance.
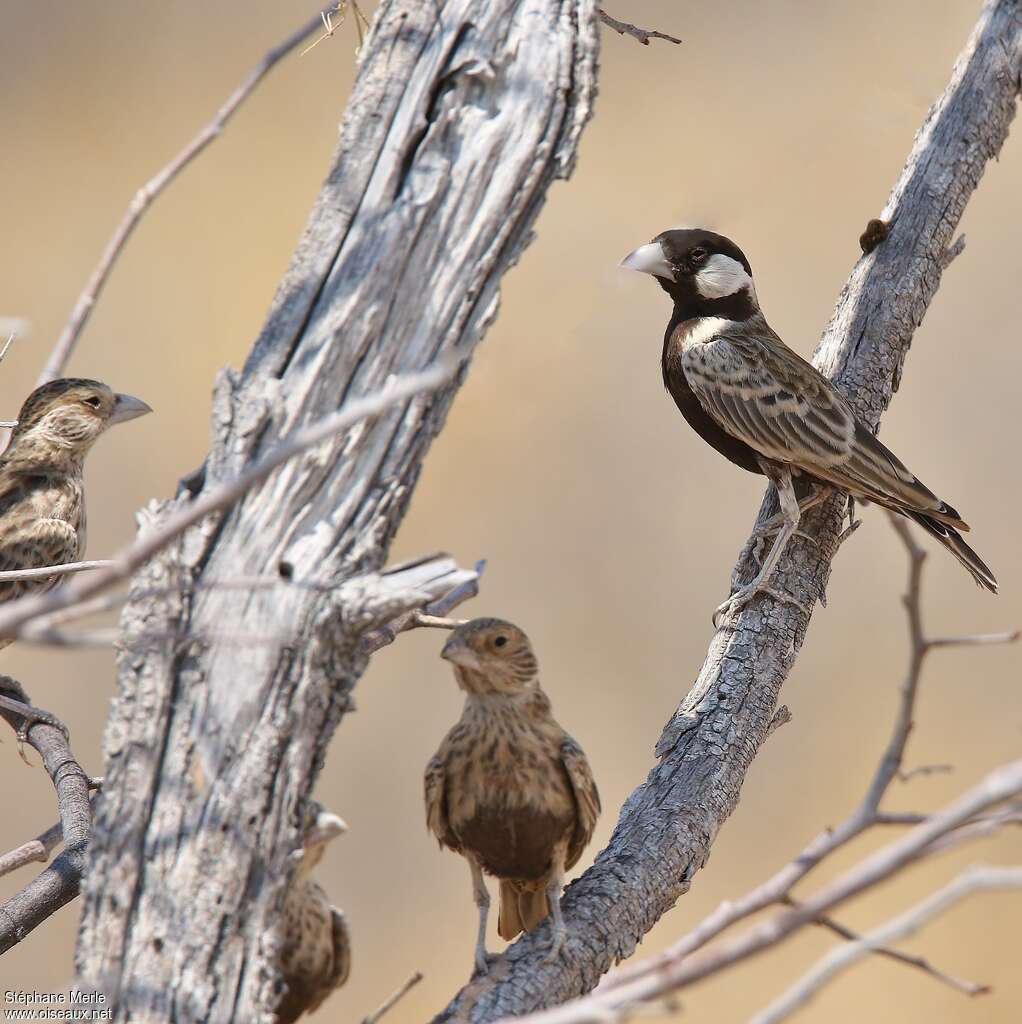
(765, 408)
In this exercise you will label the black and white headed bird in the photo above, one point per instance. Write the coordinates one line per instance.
(765, 408)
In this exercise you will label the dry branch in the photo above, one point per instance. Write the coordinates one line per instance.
(631, 987)
(643, 35)
(974, 880)
(57, 884)
(226, 493)
(461, 117)
(667, 826)
(145, 196)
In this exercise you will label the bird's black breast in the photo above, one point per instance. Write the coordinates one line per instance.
(699, 420)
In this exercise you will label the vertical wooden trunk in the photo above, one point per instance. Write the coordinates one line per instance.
(463, 114)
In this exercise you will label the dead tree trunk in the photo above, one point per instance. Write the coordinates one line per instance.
(462, 116)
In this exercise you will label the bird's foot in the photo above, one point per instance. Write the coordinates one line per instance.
(727, 612)
(556, 943)
(33, 716)
(30, 716)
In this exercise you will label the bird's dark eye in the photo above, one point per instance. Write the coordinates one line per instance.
(93, 401)
(697, 255)
(501, 641)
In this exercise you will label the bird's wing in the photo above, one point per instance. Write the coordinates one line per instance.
(33, 543)
(760, 391)
(587, 797)
(342, 951)
(435, 781)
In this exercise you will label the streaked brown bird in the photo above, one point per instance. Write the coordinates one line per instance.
(42, 496)
(765, 408)
(315, 955)
(509, 789)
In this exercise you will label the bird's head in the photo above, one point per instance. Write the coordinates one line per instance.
(705, 273)
(491, 656)
(63, 418)
(321, 828)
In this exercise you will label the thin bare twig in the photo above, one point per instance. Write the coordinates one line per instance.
(38, 850)
(341, 8)
(920, 963)
(840, 959)
(925, 769)
(58, 883)
(643, 35)
(433, 615)
(399, 389)
(53, 570)
(393, 999)
(151, 189)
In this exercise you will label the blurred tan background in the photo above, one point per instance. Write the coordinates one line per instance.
(610, 529)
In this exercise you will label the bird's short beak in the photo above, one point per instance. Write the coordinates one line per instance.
(650, 259)
(457, 651)
(127, 408)
(328, 826)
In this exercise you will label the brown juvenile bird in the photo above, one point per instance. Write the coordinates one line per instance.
(509, 789)
(315, 956)
(765, 408)
(42, 497)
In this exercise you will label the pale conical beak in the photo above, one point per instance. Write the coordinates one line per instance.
(328, 826)
(457, 651)
(650, 259)
(127, 408)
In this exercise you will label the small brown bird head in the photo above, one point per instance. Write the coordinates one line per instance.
(491, 656)
(321, 829)
(705, 273)
(61, 420)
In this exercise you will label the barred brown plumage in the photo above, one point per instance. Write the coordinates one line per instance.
(315, 957)
(765, 407)
(509, 789)
(42, 498)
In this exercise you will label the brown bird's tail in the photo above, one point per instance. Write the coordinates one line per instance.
(520, 911)
(952, 540)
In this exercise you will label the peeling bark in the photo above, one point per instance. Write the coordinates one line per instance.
(462, 116)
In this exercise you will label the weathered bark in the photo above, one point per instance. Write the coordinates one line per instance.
(462, 115)
(667, 826)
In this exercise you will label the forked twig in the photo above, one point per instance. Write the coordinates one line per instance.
(840, 959)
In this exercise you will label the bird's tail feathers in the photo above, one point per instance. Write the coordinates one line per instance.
(953, 541)
(520, 911)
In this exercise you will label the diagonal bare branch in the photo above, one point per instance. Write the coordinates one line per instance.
(667, 826)
(15, 614)
(979, 879)
(145, 196)
(643, 35)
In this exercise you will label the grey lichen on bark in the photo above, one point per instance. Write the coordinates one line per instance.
(667, 826)
(461, 117)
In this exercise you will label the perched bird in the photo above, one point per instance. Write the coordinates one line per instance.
(765, 408)
(42, 498)
(509, 789)
(315, 956)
